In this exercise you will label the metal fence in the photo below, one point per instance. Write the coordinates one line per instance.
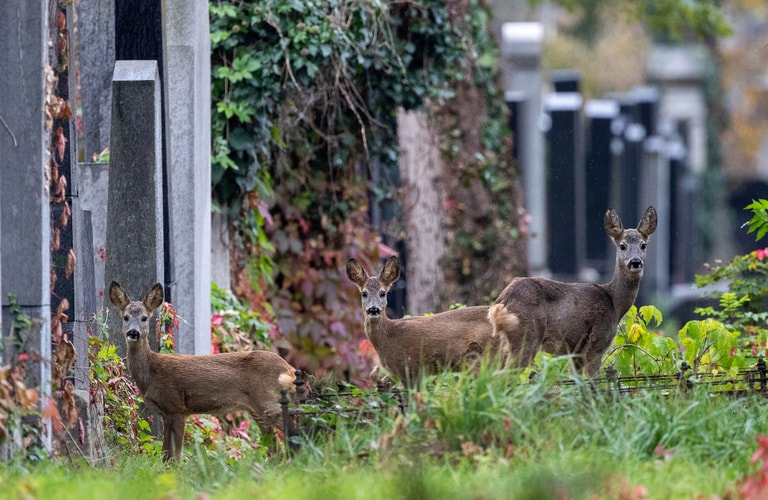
(310, 409)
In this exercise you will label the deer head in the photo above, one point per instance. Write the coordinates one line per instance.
(373, 290)
(136, 314)
(630, 243)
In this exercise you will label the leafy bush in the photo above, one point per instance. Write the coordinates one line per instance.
(237, 327)
(125, 426)
(742, 308)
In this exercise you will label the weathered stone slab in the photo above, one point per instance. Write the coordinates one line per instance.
(134, 251)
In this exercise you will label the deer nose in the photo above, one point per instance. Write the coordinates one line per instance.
(373, 311)
(635, 264)
(133, 334)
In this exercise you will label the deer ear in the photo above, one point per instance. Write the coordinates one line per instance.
(613, 225)
(118, 296)
(391, 271)
(356, 273)
(647, 224)
(154, 298)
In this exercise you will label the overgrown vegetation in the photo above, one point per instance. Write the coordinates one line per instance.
(304, 132)
(490, 433)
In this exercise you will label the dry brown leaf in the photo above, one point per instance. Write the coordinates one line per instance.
(68, 404)
(65, 215)
(50, 411)
(63, 358)
(71, 261)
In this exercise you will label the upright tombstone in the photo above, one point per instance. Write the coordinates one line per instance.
(654, 190)
(565, 185)
(134, 253)
(96, 63)
(96, 58)
(678, 71)
(188, 111)
(521, 55)
(627, 170)
(600, 115)
(25, 214)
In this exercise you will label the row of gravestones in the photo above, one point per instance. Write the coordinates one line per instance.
(62, 241)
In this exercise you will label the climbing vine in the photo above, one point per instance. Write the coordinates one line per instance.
(305, 96)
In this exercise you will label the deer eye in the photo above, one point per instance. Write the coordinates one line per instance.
(364, 294)
(642, 246)
(382, 294)
(125, 318)
(143, 319)
(623, 247)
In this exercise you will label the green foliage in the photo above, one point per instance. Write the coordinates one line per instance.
(19, 326)
(668, 20)
(672, 20)
(759, 221)
(318, 80)
(235, 326)
(166, 326)
(124, 426)
(305, 96)
(639, 350)
(710, 344)
(742, 308)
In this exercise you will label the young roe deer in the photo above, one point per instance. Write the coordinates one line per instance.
(424, 343)
(579, 319)
(177, 385)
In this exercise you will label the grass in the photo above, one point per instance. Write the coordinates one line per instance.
(473, 436)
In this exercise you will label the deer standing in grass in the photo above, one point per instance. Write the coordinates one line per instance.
(579, 319)
(449, 339)
(177, 385)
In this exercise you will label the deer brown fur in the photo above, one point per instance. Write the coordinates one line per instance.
(406, 347)
(579, 319)
(177, 385)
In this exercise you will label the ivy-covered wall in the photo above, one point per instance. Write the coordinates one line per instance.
(305, 96)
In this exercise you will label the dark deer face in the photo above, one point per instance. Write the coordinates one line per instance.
(135, 313)
(631, 243)
(373, 290)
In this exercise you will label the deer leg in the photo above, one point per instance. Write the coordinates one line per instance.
(173, 437)
(590, 364)
(522, 349)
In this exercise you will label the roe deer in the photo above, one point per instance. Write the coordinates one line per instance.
(407, 346)
(177, 385)
(579, 319)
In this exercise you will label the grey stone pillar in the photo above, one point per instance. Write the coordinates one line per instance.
(565, 185)
(521, 67)
(679, 72)
(598, 161)
(25, 246)
(96, 56)
(188, 111)
(134, 252)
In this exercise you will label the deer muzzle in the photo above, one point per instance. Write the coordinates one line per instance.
(373, 311)
(635, 265)
(132, 335)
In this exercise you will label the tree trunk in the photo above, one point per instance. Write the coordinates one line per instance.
(421, 171)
